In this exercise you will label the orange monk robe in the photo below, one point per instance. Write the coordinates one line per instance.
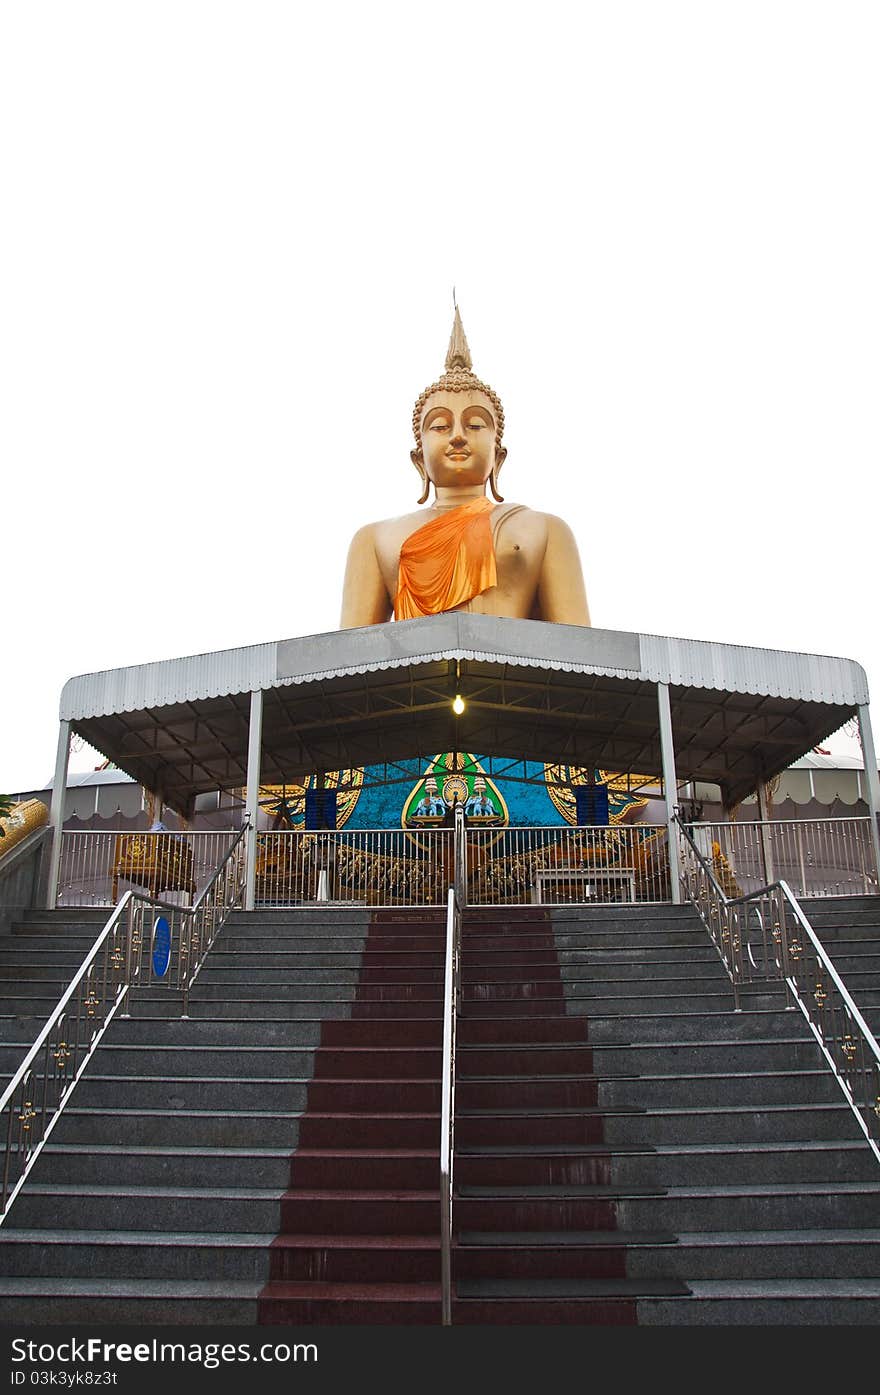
(446, 562)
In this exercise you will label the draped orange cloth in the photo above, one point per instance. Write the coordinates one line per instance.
(446, 562)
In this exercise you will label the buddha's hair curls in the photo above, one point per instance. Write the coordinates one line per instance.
(459, 380)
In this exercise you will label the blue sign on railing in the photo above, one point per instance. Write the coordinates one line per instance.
(161, 946)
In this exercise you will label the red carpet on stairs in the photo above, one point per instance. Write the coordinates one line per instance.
(536, 1239)
(535, 1213)
(360, 1222)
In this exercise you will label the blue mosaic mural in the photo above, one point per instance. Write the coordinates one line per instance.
(421, 794)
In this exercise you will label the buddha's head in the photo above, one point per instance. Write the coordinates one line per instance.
(458, 422)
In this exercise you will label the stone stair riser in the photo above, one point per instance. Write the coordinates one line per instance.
(742, 1127)
(671, 1091)
(186, 1061)
(99, 1211)
(781, 1312)
(175, 1169)
(164, 1129)
(782, 1211)
(221, 1093)
(133, 1310)
(758, 1260)
(187, 1260)
(195, 1032)
(679, 1027)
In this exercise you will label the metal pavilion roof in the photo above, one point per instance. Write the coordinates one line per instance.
(544, 692)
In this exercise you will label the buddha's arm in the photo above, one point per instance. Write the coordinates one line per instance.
(562, 596)
(365, 599)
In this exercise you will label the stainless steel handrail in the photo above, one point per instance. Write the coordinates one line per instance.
(451, 1008)
(817, 857)
(223, 890)
(791, 952)
(36, 1096)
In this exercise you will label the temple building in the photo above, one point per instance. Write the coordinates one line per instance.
(469, 964)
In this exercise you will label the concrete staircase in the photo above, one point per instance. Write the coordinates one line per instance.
(628, 1148)
(158, 1197)
(694, 1166)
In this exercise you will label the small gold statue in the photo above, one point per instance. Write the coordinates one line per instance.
(471, 554)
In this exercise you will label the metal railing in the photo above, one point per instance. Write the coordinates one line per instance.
(816, 857)
(96, 864)
(567, 866)
(558, 865)
(357, 867)
(451, 1010)
(126, 954)
(764, 936)
(414, 866)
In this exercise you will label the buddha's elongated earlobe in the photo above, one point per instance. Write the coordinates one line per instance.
(416, 458)
(500, 457)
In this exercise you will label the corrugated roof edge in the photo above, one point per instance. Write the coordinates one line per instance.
(681, 662)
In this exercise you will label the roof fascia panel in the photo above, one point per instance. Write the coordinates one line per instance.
(479, 638)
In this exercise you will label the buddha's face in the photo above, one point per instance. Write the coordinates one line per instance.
(458, 439)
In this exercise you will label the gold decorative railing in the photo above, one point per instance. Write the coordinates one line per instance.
(129, 952)
(765, 936)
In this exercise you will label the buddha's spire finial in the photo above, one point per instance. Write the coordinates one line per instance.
(458, 355)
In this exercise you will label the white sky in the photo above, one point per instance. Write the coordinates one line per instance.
(228, 238)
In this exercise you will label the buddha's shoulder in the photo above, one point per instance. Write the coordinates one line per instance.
(524, 511)
(549, 524)
(513, 518)
(383, 530)
(380, 527)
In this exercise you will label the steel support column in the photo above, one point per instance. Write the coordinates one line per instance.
(255, 742)
(872, 780)
(670, 789)
(56, 812)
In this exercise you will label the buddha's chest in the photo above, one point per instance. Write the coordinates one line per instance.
(518, 542)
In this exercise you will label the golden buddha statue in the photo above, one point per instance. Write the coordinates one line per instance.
(472, 554)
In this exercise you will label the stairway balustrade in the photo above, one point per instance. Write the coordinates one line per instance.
(766, 935)
(128, 953)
